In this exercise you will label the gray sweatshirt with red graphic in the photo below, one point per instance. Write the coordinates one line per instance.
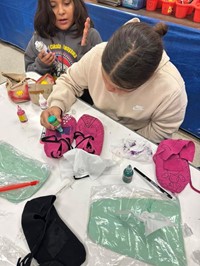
(66, 47)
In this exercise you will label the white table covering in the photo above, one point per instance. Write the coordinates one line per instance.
(73, 201)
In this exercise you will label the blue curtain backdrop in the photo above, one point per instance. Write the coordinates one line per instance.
(16, 21)
(181, 43)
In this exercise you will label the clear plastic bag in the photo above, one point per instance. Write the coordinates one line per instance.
(137, 150)
(9, 253)
(15, 167)
(134, 227)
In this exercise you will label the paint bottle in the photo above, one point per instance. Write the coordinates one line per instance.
(53, 121)
(41, 46)
(21, 114)
(42, 102)
(128, 174)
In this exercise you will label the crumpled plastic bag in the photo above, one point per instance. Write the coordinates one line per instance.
(10, 252)
(80, 164)
(152, 221)
(139, 150)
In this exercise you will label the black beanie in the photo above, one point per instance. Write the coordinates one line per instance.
(50, 241)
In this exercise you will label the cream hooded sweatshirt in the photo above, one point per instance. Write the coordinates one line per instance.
(155, 110)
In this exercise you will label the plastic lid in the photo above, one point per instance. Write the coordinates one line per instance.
(52, 119)
(38, 45)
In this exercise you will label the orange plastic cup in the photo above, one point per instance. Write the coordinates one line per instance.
(182, 9)
(167, 7)
(151, 5)
(159, 5)
(196, 17)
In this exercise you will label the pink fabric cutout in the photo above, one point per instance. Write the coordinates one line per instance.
(57, 143)
(172, 167)
(89, 134)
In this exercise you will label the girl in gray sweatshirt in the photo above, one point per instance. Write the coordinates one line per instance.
(64, 27)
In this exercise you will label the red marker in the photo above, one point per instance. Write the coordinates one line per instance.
(17, 186)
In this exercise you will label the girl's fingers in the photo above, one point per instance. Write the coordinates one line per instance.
(48, 112)
(46, 58)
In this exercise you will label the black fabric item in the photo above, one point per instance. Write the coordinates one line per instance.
(51, 242)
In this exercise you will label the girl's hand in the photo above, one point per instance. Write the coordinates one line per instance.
(47, 58)
(85, 32)
(54, 110)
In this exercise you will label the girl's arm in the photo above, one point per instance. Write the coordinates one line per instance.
(167, 118)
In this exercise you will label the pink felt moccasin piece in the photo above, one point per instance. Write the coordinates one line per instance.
(56, 143)
(89, 134)
(172, 167)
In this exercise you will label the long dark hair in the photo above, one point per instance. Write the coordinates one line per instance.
(133, 53)
(44, 20)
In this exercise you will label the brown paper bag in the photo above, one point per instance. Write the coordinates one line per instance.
(43, 85)
(17, 87)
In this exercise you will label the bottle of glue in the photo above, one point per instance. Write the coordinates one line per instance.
(21, 114)
(41, 46)
(42, 102)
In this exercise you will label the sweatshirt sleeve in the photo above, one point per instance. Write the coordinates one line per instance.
(32, 62)
(94, 38)
(71, 85)
(167, 118)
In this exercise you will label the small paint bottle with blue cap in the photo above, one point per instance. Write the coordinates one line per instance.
(53, 121)
(127, 174)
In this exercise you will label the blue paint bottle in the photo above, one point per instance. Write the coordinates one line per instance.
(128, 174)
(53, 121)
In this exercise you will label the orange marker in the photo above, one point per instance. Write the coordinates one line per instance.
(17, 186)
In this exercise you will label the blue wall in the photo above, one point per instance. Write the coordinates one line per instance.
(16, 21)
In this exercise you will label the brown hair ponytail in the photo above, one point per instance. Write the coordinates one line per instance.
(133, 54)
(161, 28)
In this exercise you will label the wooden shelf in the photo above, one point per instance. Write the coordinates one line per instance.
(155, 14)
